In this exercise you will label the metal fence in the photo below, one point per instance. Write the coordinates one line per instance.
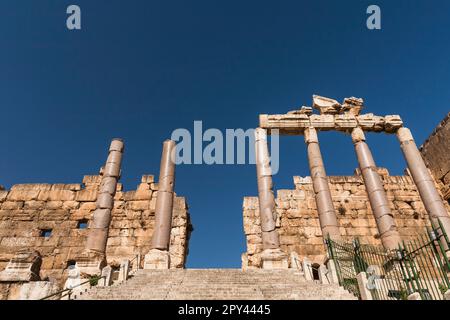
(419, 265)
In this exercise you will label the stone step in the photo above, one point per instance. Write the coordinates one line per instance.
(217, 284)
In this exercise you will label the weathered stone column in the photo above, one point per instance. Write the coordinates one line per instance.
(387, 228)
(272, 256)
(424, 181)
(324, 201)
(93, 258)
(158, 257)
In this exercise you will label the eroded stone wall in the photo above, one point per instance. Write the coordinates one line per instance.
(436, 152)
(27, 210)
(298, 221)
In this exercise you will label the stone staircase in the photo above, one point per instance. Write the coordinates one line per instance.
(217, 284)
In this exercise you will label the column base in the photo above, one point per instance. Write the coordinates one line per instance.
(90, 263)
(274, 259)
(157, 259)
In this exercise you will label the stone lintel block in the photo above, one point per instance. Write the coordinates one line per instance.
(157, 259)
(324, 121)
(345, 121)
(392, 123)
(326, 105)
(353, 105)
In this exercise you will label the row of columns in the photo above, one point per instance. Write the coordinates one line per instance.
(386, 225)
(99, 226)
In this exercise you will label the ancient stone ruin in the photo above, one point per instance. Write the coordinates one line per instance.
(372, 205)
(89, 226)
(57, 236)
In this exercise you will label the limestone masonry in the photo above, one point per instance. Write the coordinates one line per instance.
(134, 244)
(436, 151)
(298, 222)
(27, 211)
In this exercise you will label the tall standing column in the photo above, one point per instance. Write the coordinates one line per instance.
(387, 228)
(272, 256)
(98, 229)
(159, 257)
(93, 258)
(423, 180)
(324, 201)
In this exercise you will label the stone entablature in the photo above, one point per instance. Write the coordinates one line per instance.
(298, 219)
(333, 116)
(29, 210)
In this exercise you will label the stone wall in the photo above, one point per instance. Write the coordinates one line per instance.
(27, 210)
(298, 222)
(436, 152)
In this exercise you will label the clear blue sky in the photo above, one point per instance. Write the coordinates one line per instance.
(140, 69)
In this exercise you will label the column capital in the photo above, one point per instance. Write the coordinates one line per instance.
(310, 134)
(260, 134)
(358, 135)
(404, 134)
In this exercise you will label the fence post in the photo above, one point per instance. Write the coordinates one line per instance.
(323, 275)
(124, 270)
(331, 266)
(362, 285)
(307, 269)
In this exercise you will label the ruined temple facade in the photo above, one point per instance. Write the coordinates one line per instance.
(56, 221)
(371, 205)
(51, 235)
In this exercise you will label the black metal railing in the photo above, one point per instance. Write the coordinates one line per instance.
(419, 265)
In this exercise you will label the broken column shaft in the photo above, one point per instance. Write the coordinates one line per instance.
(164, 201)
(324, 201)
(423, 180)
(387, 228)
(158, 257)
(266, 196)
(272, 257)
(98, 229)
